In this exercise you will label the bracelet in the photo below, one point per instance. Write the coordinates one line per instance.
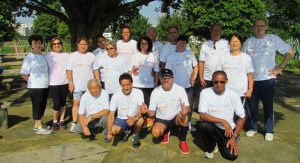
(137, 118)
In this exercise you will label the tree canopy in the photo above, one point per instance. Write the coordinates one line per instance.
(7, 20)
(235, 16)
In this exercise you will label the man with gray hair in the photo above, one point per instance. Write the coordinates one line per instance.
(93, 110)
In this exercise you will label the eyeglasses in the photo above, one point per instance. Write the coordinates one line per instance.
(109, 48)
(216, 82)
(56, 43)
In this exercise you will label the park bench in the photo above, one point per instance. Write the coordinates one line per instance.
(7, 84)
(4, 114)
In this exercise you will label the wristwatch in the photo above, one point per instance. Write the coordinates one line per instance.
(236, 136)
(137, 118)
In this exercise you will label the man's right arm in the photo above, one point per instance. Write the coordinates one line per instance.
(227, 127)
(201, 71)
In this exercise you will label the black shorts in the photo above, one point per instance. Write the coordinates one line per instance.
(168, 123)
(59, 94)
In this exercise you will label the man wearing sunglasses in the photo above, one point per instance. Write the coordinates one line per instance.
(217, 107)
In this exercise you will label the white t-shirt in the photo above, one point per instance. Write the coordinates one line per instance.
(211, 56)
(57, 65)
(167, 49)
(182, 63)
(237, 69)
(82, 67)
(127, 104)
(99, 51)
(263, 52)
(221, 106)
(35, 66)
(145, 64)
(127, 49)
(156, 49)
(90, 104)
(100, 58)
(167, 104)
(112, 69)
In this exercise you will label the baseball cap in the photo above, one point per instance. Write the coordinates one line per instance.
(166, 73)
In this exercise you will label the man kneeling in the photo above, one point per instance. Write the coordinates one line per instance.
(93, 110)
(169, 103)
(128, 103)
(217, 106)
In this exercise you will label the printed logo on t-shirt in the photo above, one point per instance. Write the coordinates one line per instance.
(78, 65)
(212, 53)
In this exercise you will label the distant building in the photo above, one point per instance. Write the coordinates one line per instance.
(25, 29)
(107, 35)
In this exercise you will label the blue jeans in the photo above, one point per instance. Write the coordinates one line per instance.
(264, 91)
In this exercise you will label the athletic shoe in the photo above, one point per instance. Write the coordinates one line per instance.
(149, 122)
(55, 127)
(250, 133)
(126, 136)
(72, 127)
(191, 127)
(62, 125)
(106, 140)
(166, 138)
(269, 137)
(35, 128)
(136, 141)
(43, 131)
(212, 154)
(184, 147)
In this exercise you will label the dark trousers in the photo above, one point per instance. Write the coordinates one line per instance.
(264, 91)
(213, 135)
(147, 93)
(38, 98)
(190, 94)
(59, 94)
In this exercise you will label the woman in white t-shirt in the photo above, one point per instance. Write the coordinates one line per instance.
(144, 68)
(34, 71)
(239, 69)
(81, 68)
(58, 83)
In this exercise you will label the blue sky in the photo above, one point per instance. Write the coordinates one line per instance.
(147, 11)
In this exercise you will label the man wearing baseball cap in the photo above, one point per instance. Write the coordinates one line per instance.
(170, 106)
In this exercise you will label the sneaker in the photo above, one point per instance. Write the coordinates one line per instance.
(35, 128)
(72, 129)
(55, 127)
(191, 127)
(212, 154)
(149, 122)
(250, 133)
(136, 141)
(269, 137)
(184, 147)
(62, 125)
(43, 131)
(166, 138)
(126, 136)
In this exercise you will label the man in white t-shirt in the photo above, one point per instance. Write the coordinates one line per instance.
(157, 45)
(262, 49)
(100, 53)
(126, 47)
(127, 102)
(93, 110)
(217, 107)
(170, 106)
(210, 53)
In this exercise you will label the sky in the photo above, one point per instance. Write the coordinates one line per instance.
(147, 11)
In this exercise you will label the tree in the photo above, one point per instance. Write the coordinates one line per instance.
(46, 26)
(175, 19)
(85, 17)
(7, 20)
(235, 16)
(138, 26)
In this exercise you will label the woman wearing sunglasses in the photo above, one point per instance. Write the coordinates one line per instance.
(58, 82)
(239, 69)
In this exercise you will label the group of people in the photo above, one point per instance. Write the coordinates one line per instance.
(122, 87)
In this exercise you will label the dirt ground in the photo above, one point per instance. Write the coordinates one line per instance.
(19, 143)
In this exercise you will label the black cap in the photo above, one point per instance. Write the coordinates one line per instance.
(166, 73)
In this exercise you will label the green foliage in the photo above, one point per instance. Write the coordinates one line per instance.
(46, 26)
(138, 26)
(236, 16)
(176, 19)
(7, 19)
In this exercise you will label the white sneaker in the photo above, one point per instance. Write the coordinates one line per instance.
(250, 133)
(192, 128)
(269, 137)
(72, 127)
(212, 154)
(43, 131)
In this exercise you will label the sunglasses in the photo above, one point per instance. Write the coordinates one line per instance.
(109, 48)
(216, 82)
(56, 43)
